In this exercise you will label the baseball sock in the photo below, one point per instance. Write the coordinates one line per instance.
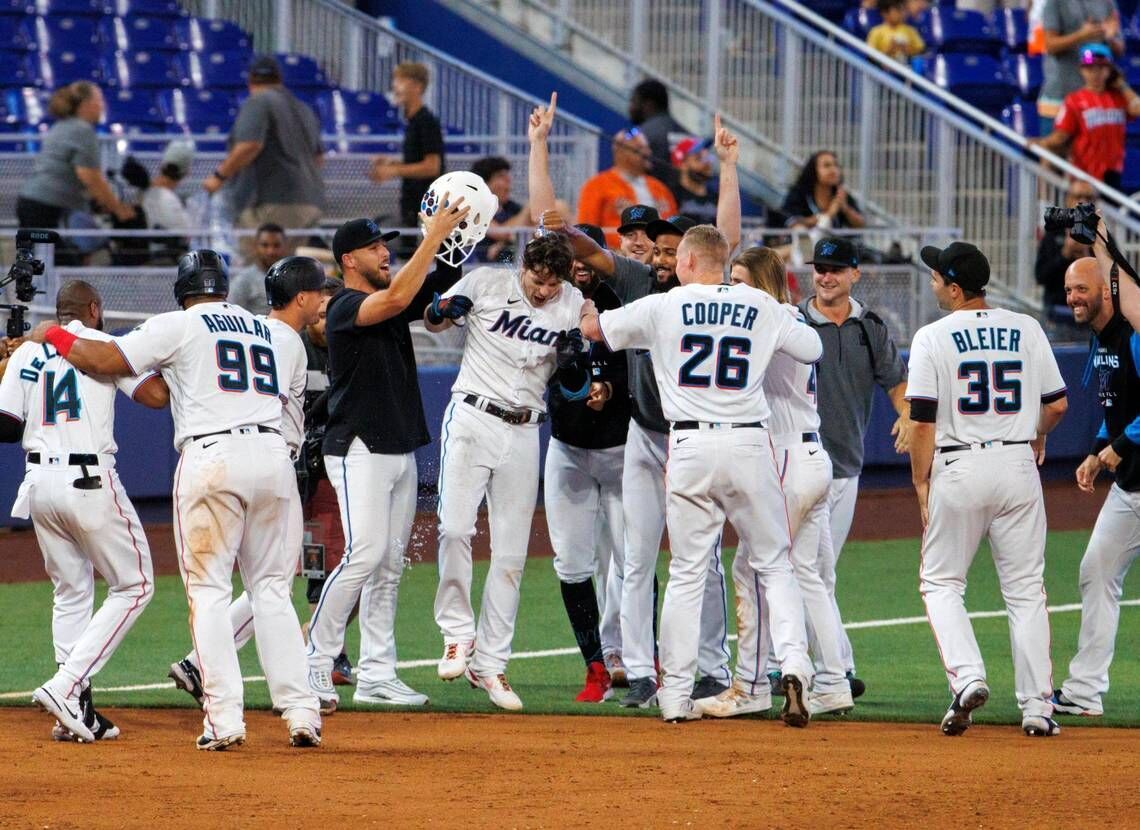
(582, 607)
(656, 595)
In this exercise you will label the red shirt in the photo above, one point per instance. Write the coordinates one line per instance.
(1096, 121)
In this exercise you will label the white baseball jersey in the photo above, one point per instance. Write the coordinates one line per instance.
(988, 370)
(790, 387)
(711, 346)
(509, 355)
(219, 362)
(292, 368)
(63, 409)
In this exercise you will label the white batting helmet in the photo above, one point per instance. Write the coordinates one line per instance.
(457, 247)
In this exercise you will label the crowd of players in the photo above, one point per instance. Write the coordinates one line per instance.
(630, 355)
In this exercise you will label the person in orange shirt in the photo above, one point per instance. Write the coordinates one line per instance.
(627, 183)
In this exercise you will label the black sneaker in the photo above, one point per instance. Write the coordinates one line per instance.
(1064, 706)
(185, 676)
(776, 681)
(958, 717)
(642, 693)
(857, 685)
(342, 672)
(708, 687)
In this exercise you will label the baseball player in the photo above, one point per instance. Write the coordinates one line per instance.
(233, 485)
(984, 389)
(81, 515)
(518, 337)
(711, 345)
(805, 476)
(291, 286)
(376, 422)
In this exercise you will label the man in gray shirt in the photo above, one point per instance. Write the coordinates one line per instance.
(1068, 25)
(274, 158)
(247, 285)
(858, 355)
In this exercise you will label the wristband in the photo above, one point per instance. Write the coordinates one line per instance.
(60, 339)
(217, 174)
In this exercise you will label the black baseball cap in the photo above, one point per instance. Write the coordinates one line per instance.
(265, 69)
(959, 262)
(358, 233)
(594, 232)
(664, 227)
(637, 216)
(836, 252)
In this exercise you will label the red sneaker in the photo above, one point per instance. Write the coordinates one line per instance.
(597, 686)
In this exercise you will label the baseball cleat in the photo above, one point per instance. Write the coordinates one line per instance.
(1065, 706)
(795, 710)
(642, 693)
(736, 700)
(456, 657)
(343, 673)
(598, 683)
(708, 687)
(208, 744)
(1038, 726)
(304, 735)
(776, 681)
(686, 711)
(618, 677)
(830, 703)
(186, 677)
(858, 687)
(958, 717)
(100, 726)
(320, 684)
(498, 689)
(66, 710)
(394, 692)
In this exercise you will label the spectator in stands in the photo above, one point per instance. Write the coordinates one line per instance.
(895, 37)
(695, 197)
(247, 285)
(68, 169)
(1092, 121)
(649, 112)
(818, 198)
(164, 210)
(1057, 251)
(423, 160)
(274, 159)
(1068, 25)
(627, 183)
(497, 246)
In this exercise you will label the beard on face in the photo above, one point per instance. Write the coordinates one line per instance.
(377, 278)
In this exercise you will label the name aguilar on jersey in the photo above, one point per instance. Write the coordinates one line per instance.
(987, 338)
(221, 323)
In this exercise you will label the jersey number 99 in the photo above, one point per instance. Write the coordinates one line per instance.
(731, 364)
(235, 373)
(1003, 391)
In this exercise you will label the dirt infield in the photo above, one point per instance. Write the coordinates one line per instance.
(503, 771)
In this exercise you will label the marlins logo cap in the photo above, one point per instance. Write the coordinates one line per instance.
(637, 216)
(836, 252)
(358, 233)
(959, 262)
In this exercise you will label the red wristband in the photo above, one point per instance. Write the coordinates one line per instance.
(61, 339)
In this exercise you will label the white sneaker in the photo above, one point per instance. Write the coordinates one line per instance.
(736, 700)
(303, 735)
(1039, 726)
(830, 703)
(66, 710)
(320, 684)
(498, 689)
(456, 656)
(686, 711)
(394, 692)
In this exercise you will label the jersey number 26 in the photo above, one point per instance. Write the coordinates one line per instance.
(731, 363)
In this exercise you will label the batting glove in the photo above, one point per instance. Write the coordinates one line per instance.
(448, 308)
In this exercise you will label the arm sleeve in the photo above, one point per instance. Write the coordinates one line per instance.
(917, 44)
(467, 285)
(631, 326)
(11, 395)
(440, 281)
(1067, 119)
(628, 277)
(431, 137)
(342, 310)
(890, 370)
(877, 39)
(154, 342)
(1051, 17)
(252, 123)
(87, 149)
(922, 379)
(797, 340)
(590, 202)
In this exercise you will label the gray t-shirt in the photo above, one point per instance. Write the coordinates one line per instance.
(69, 143)
(857, 356)
(247, 289)
(286, 169)
(631, 281)
(1064, 17)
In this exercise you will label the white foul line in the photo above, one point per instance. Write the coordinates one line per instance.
(565, 652)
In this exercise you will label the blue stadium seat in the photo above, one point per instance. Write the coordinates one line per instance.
(76, 34)
(1026, 73)
(18, 33)
(365, 113)
(1013, 26)
(1022, 118)
(202, 35)
(860, 22)
(321, 102)
(1130, 66)
(300, 71)
(12, 107)
(977, 79)
(73, 8)
(61, 68)
(134, 110)
(1130, 181)
(833, 10)
(20, 69)
(956, 30)
(214, 70)
(148, 34)
(16, 7)
(199, 110)
(149, 70)
(150, 8)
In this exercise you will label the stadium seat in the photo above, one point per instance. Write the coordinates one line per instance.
(1130, 66)
(214, 70)
(73, 8)
(833, 10)
(149, 70)
(202, 35)
(300, 71)
(860, 22)
(134, 110)
(1021, 118)
(20, 69)
(150, 8)
(17, 33)
(12, 107)
(956, 30)
(199, 110)
(1026, 73)
(148, 34)
(1131, 179)
(74, 34)
(321, 102)
(61, 68)
(16, 7)
(365, 113)
(977, 79)
(1013, 27)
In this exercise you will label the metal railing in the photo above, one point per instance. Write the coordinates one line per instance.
(790, 83)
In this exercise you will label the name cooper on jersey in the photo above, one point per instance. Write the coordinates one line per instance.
(714, 313)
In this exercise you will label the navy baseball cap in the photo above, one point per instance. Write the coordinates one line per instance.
(959, 262)
(594, 232)
(265, 69)
(358, 233)
(836, 252)
(675, 226)
(637, 216)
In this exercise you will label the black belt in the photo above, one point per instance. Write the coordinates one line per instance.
(810, 437)
(983, 445)
(697, 425)
(234, 431)
(508, 415)
(73, 460)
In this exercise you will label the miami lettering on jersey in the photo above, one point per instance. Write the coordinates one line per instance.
(993, 338)
(221, 323)
(520, 328)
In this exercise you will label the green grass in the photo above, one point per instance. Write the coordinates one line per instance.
(877, 580)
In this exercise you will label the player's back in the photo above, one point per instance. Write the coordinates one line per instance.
(292, 374)
(790, 387)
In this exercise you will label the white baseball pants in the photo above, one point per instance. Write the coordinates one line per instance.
(230, 492)
(77, 529)
(377, 498)
(841, 498)
(716, 474)
(481, 456)
(1112, 548)
(610, 553)
(643, 494)
(994, 492)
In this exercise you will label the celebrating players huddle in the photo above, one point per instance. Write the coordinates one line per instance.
(682, 353)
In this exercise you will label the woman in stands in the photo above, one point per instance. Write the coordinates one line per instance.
(818, 198)
(68, 170)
